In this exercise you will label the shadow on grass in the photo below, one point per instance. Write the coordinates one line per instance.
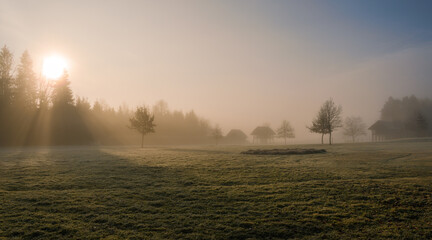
(94, 193)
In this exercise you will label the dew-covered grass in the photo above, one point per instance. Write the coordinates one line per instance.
(369, 191)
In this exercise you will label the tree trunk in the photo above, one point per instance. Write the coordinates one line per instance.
(285, 140)
(142, 140)
(330, 140)
(322, 138)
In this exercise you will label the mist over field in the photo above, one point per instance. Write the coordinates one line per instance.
(239, 65)
(216, 119)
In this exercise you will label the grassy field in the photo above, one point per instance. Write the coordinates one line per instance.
(367, 191)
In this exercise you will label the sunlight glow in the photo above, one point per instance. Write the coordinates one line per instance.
(53, 67)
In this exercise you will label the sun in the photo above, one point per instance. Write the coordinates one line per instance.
(53, 67)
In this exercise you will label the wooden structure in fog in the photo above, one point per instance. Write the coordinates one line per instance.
(385, 130)
(263, 135)
(235, 136)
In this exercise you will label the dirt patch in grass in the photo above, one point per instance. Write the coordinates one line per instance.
(287, 151)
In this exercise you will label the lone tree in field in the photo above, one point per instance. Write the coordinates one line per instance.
(327, 120)
(216, 133)
(354, 127)
(142, 121)
(285, 131)
(318, 125)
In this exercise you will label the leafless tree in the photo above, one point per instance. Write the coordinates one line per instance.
(327, 120)
(216, 133)
(285, 131)
(354, 127)
(44, 89)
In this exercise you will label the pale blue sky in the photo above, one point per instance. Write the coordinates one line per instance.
(237, 63)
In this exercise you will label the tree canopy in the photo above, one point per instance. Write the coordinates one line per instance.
(413, 113)
(6, 76)
(285, 130)
(327, 120)
(25, 83)
(217, 133)
(62, 94)
(142, 121)
(354, 127)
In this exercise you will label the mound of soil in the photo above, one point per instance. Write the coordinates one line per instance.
(293, 151)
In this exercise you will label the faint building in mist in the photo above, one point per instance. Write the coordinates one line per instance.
(263, 135)
(382, 130)
(408, 117)
(236, 136)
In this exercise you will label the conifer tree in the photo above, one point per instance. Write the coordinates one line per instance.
(6, 76)
(25, 83)
(62, 94)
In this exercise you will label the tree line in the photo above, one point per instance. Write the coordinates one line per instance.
(412, 113)
(38, 111)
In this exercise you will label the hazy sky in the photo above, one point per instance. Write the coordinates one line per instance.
(237, 63)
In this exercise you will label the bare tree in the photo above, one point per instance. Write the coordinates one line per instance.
(44, 89)
(285, 131)
(334, 119)
(142, 121)
(216, 133)
(327, 120)
(354, 127)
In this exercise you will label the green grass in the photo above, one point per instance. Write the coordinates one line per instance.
(367, 191)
